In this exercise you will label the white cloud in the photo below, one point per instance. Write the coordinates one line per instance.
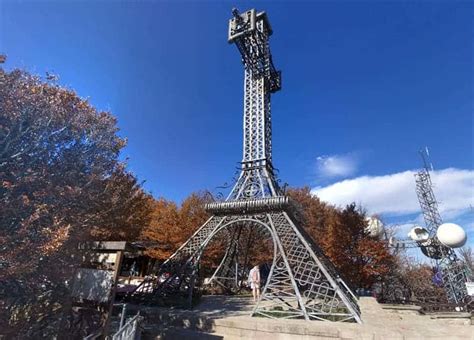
(336, 165)
(403, 225)
(469, 226)
(395, 194)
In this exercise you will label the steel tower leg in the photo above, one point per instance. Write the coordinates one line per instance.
(300, 285)
(225, 274)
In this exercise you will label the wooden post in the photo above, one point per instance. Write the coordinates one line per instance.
(117, 266)
(122, 317)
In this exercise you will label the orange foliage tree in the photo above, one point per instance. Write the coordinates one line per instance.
(418, 278)
(340, 233)
(60, 183)
(171, 225)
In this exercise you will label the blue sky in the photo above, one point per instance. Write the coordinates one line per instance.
(365, 86)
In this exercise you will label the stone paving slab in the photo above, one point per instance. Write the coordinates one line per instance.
(228, 318)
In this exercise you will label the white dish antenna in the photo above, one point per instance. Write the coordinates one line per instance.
(419, 234)
(375, 227)
(451, 235)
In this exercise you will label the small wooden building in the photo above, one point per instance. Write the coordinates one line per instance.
(127, 259)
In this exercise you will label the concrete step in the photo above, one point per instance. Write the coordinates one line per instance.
(214, 322)
(174, 333)
(369, 305)
(373, 313)
(266, 329)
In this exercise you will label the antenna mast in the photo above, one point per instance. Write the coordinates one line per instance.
(452, 269)
(250, 32)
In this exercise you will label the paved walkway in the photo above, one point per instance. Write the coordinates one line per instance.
(220, 306)
(227, 317)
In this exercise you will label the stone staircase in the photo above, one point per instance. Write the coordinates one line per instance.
(373, 313)
(228, 318)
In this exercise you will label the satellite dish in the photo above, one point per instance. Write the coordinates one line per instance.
(375, 227)
(419, 234)
(451, 235)
(430, 250)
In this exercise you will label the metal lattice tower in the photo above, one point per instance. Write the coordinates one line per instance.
(250, 32)
(302, 282)
(452, 269)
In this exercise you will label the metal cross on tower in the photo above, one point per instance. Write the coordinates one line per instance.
(302, 282)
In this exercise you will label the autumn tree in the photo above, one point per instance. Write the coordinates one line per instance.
(418, 279)
(61, 183)
(466, 255)
(122, 208)
(171, 225)
(312, 213)
(341, 234)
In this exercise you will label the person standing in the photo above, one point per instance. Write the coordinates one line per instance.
(133, 269)
(254, 279)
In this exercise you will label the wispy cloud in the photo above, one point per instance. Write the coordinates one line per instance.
(469, 226)
(334, 166)
(395, 194)
(393, 197)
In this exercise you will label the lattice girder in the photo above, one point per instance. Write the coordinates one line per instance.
(452, 269)
(302, 283)
(225, 275)
(250, 32)
(299, 284)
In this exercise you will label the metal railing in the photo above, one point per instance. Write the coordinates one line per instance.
(131, 330)
(93, 336)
